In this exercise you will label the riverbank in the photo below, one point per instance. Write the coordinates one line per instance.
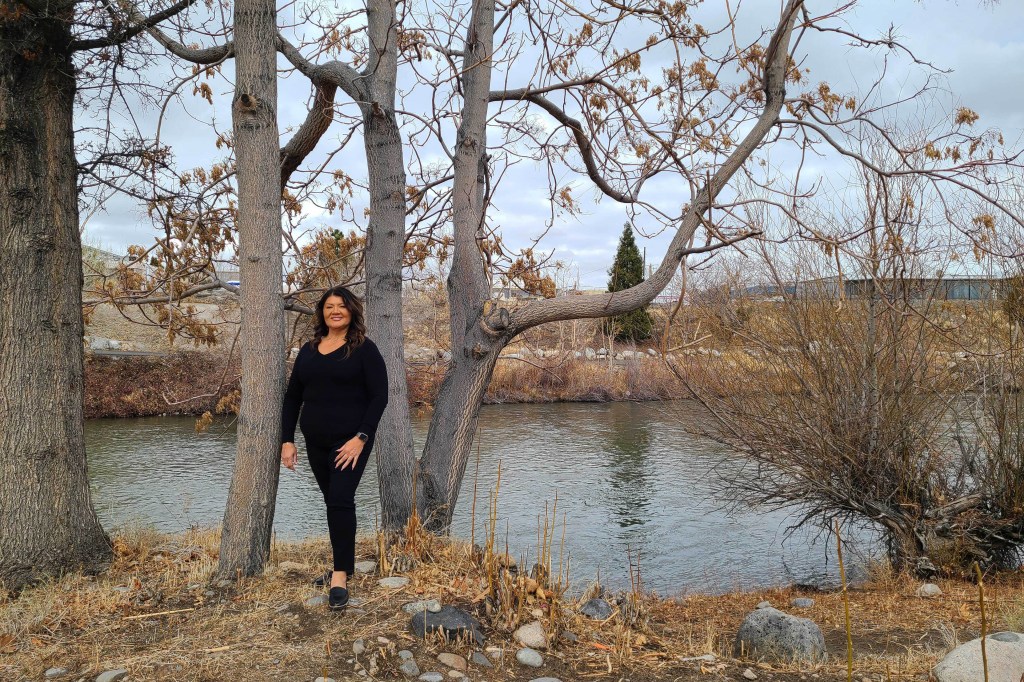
(191, 382)
(160, 614)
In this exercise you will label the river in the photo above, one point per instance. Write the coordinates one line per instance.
(632, 484)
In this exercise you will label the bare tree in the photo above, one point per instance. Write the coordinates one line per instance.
(50, 52)
(842, 391)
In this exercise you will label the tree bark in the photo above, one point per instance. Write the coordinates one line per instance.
(385, 249)
(249, 516)
(47, 522)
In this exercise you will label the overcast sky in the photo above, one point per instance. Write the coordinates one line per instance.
(982, 46)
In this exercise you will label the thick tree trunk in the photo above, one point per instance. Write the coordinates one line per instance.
(249, 516)
(47, 523)
(475, 347)
(452, 429)
(385, 249)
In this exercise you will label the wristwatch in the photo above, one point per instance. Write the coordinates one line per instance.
(362, 436)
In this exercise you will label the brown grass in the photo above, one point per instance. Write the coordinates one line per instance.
(156, 613)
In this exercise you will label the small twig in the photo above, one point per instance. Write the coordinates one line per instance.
(984, 624)
(846, 606)
(158, 613)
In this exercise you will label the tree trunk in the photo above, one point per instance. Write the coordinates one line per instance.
(452, 429)
(249, 516)
(47, 522)
(385, 249)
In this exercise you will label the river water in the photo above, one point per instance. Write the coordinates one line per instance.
(632, 484)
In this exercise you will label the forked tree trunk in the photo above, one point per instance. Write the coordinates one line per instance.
(479, 331)
(385, 249)
(249, 516)
(47, 522)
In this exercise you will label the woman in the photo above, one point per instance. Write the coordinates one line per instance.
(341, 385)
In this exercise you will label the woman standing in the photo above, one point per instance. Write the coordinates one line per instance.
(341, 385)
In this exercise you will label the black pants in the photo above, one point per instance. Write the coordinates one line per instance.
(339, 489)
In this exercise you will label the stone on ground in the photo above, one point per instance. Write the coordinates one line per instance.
(452, 660)
(405, 655)
(771, 634)
(930, 590)
(749, 674)
(112, 675)
(597, 609)
(532, 635)
(453, 622)
(802, 602)
(413, 607)
(409, 668)
(393, 582)
(1005, 652)
(456, 674)
(324, 679)
(316, 601)
(545, 679)
(366, 566)
(53, 673)
(432, 677)
(479, 659)
(764, 605)
(529, 657)
(358, 647)
(293, 567)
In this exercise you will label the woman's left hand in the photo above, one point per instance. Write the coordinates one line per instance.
(348, 454)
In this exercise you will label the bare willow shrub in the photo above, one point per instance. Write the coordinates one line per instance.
(849, 413)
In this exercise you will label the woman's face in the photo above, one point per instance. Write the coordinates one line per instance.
(336, 315)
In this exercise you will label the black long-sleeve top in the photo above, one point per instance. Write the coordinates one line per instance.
(338, 396)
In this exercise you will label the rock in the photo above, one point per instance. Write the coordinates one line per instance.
(100, 343)
(452, 661)
(479, 659)
(409, 668)
(1005, 652)
(932, 590)
(770, 633)
(413, 607)
(589, 353)
(54, 673)
(453, 622)
(324, 679)
(653, 353)
(394, 582)
(293, 567)
(802, 602)
(532, 635)
(456, 675)
(598, 609)
(545, 679)
(764, 605)
(383, 640)
(569, 636)
(405, 655)
(749, 674)
(432, 677)
(224, 583)
(316, 601)
(366, 566)
(358, 647)
(529, 657)
(112, 675)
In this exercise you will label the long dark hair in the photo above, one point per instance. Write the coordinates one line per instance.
(356, 327)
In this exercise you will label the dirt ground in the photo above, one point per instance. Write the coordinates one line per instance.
(160, 613)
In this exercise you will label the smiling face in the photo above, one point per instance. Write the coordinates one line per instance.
(336, 314)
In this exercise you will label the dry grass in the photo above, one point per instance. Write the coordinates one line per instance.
(156, 613)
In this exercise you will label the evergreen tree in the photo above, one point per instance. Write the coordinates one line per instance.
(628, 271)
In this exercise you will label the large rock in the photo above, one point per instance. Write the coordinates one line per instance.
(771, 634)
(1005, 652)
(532, 635)
(453, 622)
(597, 609)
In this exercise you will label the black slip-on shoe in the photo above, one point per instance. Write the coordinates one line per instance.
(323, 580)
(337, 598)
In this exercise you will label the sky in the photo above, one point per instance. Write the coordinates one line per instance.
(981, 45)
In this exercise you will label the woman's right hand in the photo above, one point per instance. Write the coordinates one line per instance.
(288, 455)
